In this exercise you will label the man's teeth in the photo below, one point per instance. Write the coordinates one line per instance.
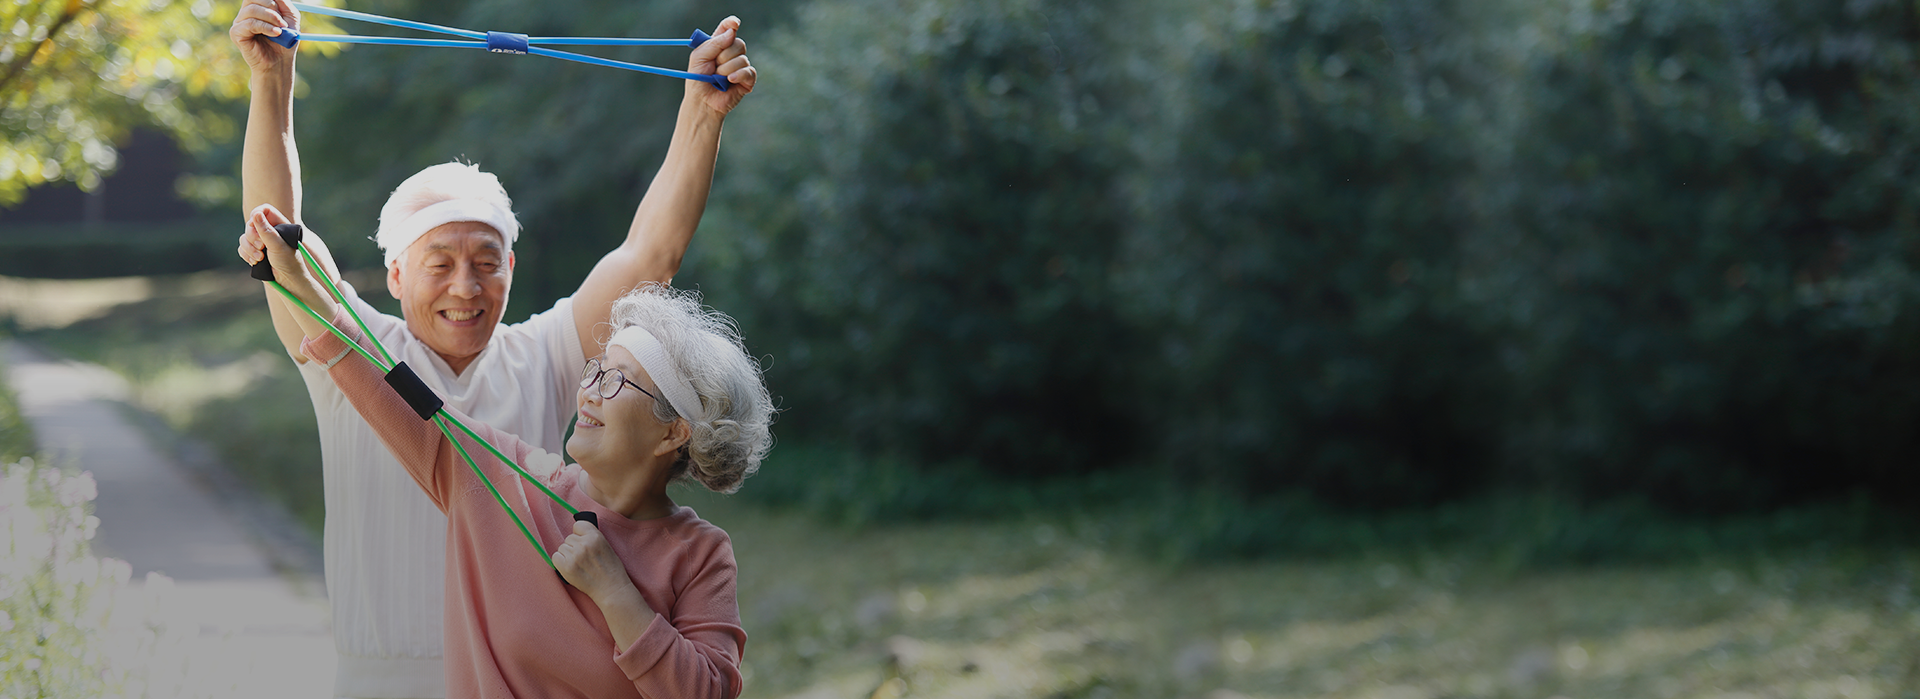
(590, 421)
(461, 315)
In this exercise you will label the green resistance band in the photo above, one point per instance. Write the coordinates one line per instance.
(401, 377)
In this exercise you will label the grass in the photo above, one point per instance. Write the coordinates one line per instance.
(1026, 607)
(864, 576)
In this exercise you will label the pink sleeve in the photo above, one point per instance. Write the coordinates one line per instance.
(416, 443)
(696, 653)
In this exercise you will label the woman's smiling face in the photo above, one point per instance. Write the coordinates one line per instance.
(609, 433)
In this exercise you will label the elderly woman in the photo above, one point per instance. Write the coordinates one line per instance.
(651, 609)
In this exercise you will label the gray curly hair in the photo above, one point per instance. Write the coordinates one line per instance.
(734, 431)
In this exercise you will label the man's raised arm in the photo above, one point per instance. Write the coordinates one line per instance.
(670, 211)
(269, 161)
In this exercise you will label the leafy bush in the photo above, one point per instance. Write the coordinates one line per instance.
(1713, 298)
(16, 437)
(53, 592)
(54, 595)
(1298, 248)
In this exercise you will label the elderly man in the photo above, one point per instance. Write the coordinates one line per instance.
(448, 234)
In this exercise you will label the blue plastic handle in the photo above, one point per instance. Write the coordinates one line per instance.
(288, 37)
(719, 82)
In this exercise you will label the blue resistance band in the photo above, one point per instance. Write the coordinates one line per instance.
(497, 42)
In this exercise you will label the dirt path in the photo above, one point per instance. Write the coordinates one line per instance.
(241, 612)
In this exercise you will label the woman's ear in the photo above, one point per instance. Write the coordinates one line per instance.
(677, 437)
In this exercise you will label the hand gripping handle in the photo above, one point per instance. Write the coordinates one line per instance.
(289, 37)
(290, 233)
(719, 82)
(590, 518)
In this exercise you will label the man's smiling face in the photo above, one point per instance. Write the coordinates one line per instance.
(452, 285)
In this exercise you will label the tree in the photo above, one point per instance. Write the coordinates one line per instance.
(77, 75)
(1295, 246)
(930, 232)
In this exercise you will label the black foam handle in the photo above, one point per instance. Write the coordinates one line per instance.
(291, 233)
(409, 387)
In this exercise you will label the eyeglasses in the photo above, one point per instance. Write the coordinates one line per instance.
(609, 380)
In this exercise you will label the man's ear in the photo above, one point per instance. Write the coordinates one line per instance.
(510, 260)
(393, 279)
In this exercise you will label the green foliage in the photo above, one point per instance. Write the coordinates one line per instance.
(1387, 255)
(16, 436)
(77, 75)
(66, 251)
(1149, 514)
(1297, 249)
(1711, 296)
(936, 215)
(1049, 239)
(575, 145)
(850, 489)
(54, 595)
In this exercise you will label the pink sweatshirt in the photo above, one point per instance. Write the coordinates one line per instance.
(513, 627)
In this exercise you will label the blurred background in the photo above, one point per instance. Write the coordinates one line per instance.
(1141, 347)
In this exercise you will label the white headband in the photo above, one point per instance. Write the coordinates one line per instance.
(653, 358)
(396, 237)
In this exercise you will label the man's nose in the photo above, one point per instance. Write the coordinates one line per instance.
(466, 283)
